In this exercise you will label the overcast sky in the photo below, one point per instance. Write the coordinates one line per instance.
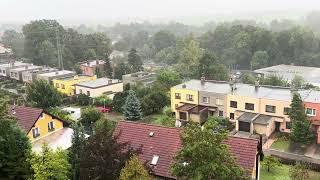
(25, 10)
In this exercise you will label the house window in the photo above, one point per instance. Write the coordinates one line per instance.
(205, 100)
(41, 116)
(270, 109)
(219, 102)
(233, 104)
(57, 85)
(232, 116)
(249, 106)
(311, 112)
(62, 86)
(286, 110)
(178, 96)
(189, 97)
(220, 113)
(288, 125)
(50, 126)
(35, 132)
(88, 93)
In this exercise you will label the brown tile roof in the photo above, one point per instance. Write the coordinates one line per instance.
(26, 116)
(245, 151)
(166, 142)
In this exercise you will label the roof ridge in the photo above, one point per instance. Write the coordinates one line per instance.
(251, 139)
(143, 123)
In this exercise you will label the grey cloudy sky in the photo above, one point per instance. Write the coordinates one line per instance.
(25, 10)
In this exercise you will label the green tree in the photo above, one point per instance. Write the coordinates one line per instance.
(119, 100)
(301, 125)
(62, 114)
(163, 39)
(166, 118)
(190, 54)
(134, 61)
(78, 143)
(204, 156)
(43, 95)
(50, 164)
(270, 162)
(108, 69)
(134, 170)
(259, 59)
(47, 54)
(132, 107)
(89, 116)
(90, 54)
(297, 82)
(168, 78)
(103, 157)
(299, 171)
(248, 78)
(121, 69)
(212, 69)
(15, 41)
(154, 101)
(83, 100)
(274, 80)
(15, 148)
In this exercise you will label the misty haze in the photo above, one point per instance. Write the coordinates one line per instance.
(150, 89)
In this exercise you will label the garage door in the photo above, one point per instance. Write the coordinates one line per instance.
(244, 126)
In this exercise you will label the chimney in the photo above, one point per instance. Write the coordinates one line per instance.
(109, 81)
(76, 77)
(26, 67)
(97, 62)
(88, 63)
(203, 79)
(184, 86)
(256, 85)
(57, 72)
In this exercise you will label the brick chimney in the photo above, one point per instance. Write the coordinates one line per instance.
(203, 79)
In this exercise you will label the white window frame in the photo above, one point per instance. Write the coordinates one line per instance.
(189, 97)
(50, 127)
(314, 113)
(38, 132)
(207, 100)
(219, 102)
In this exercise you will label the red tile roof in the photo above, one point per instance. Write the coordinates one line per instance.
(245, 151)
(26, 116)
(166, 142)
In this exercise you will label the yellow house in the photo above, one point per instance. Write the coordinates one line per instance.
(37, 123)
(42, 127)
(66, 85)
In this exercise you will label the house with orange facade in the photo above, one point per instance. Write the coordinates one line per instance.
(42, 127)
(89, 67)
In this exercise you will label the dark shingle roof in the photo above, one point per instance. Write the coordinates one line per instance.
(26, 116)
(166, 142)
(263, 119)
(247, 117)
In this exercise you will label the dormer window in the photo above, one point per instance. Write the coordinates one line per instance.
(154, 160)
(35, 132)
(41, 115)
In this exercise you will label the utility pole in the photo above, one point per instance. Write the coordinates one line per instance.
(60, 61)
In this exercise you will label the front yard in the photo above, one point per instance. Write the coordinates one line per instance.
(284, 144)
(282, 173)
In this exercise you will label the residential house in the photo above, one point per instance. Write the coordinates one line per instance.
(49, 76)
(144, 78)
(5, 68)
(159, 145)
(98, 87)
(89, 67)
(4, 52)
(74, 112)
(16, 73)
(251, 108)
(66, 85)
(42, 127)
(30, 76)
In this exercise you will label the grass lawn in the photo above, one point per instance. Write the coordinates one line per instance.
(281, 144)
(282, 173)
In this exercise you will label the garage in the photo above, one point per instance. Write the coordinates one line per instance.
(244, 126)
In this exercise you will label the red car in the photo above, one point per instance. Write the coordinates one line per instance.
(104, 109)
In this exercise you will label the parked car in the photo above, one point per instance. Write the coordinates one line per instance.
(104, 109)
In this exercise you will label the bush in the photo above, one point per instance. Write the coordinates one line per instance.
(102, 100)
